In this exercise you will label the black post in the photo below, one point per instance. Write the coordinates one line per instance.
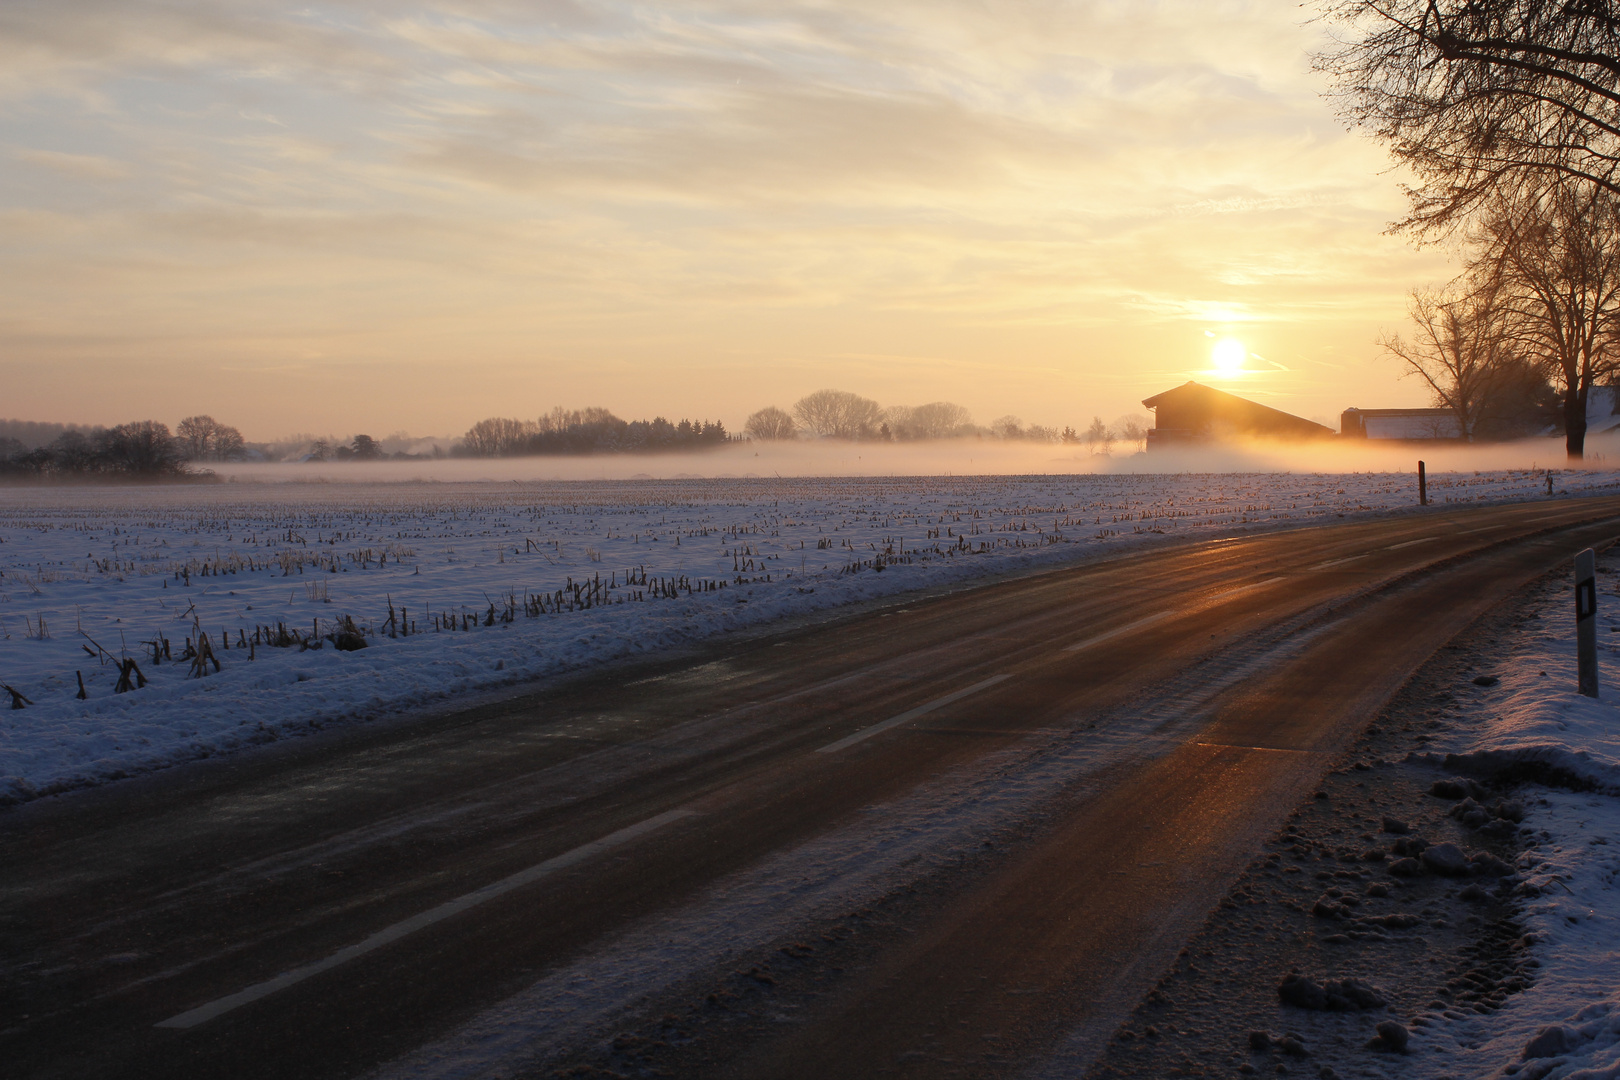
(1423, 485)
(1586, 622)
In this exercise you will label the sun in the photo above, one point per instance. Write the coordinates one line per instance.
(1228, 356)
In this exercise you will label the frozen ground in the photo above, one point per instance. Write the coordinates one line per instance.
(1566, 1026)
(501, 582)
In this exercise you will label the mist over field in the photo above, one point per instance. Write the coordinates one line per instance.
(964, 457)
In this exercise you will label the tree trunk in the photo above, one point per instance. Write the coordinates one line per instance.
(1575, 423)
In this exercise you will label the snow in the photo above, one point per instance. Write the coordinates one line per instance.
(938, 826)
(89, 574)
(1572, 907)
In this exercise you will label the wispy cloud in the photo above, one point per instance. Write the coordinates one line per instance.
(522, 192)
(84, 166)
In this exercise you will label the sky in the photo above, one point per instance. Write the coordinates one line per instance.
(411, 216)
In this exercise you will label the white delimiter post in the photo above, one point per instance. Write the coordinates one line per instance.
(1586, 621)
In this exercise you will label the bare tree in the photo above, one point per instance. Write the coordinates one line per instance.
(1007, 427)
(498, 436)
(771, 425)
(194, 434)
(935, 420)
(1099, 440)
(144, 448)
(202, 438)
(560, 419)
(838, 414)
(1459, 345)
(228, 444)
(1557, 258)
(1482, 99)
(1132, 428)
(72, 452)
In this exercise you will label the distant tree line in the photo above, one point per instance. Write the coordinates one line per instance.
(34, 433)
(586, 431)
(147, 449)
(839, 414)
(359, 448)
(143, 450)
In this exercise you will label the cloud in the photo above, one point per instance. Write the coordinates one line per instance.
(82, 166)
(489, 184)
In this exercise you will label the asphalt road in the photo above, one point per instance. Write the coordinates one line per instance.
(321, 908)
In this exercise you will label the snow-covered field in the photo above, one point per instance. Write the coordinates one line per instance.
(456, 587)
(1567, 1025)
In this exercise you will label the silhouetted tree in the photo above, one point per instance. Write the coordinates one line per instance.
(70, 453)
(365, 448)
(838, 414)
(202, 438)
(1099, 440)
(1557, 259)
(1519, 402)
(1131, 428)
(1007, 427)
(1459, 345)
(1482, 99)
(936, 420)
(499, 437)
(144, 448)
(770, 424)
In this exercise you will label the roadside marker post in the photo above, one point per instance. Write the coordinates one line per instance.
(1423, 485)
(1586, 621)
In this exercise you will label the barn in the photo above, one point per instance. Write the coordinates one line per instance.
(1195, 413)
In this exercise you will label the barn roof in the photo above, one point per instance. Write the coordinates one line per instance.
(1204, 408)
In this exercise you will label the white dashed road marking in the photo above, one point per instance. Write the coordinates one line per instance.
(910, 714)
(388, 935)
(1127, 628)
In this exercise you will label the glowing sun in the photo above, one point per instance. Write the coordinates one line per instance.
(1228, 356)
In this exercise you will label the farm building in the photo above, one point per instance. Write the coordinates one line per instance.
(1408, 425)
(1194, 413)
(1529, 420)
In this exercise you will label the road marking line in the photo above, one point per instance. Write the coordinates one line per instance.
(1409, 543)
(390, 934)
(910, 714)
(1266, 749)
(1482, 528)
(1337, 562)
(1245, 588)
(1127, 628)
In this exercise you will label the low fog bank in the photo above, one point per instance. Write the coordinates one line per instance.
(956, 457)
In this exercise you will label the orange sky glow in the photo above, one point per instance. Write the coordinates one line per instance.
(381, 217)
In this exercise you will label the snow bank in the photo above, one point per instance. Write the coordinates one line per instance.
(1533, 724)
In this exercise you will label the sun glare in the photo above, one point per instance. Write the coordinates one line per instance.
(1228, 356)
